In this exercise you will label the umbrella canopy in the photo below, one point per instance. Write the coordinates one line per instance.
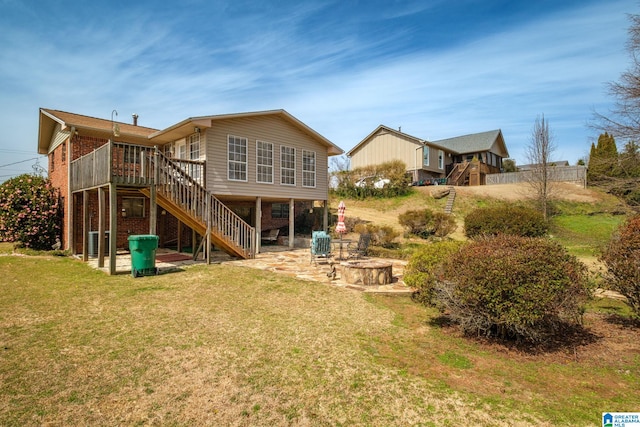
(340, 227)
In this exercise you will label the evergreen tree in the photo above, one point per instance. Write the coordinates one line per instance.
(630, 160)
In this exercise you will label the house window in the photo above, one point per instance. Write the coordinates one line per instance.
(194, 146)
(287, 165)
(308, 168)
(280, 210)
(133, 207)
(425, 156)
(182, 151)
(237, 157)
(264, 162)
(440, 159)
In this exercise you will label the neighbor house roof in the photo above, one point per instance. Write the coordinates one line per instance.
(473, 143)
(394, 131)
(536, 165)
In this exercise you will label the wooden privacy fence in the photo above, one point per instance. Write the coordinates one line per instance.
(556, 174)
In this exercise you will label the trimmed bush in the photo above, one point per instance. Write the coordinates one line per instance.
(513, 287)
(416, 222)
(422, 269)
(381, 235)
(425, 223)
(507, 219)
(30, 212)
(622, 259)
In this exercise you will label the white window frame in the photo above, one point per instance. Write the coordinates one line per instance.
(440, 159)
(194, 146)
(181, 150)
(240, 159)
(425, 155)
(264, 161)
(309, 173)
(284, 164)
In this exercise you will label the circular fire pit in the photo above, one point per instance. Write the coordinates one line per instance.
(368, 273)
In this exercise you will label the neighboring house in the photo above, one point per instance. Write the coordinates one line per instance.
(463, 160)
(221, 178)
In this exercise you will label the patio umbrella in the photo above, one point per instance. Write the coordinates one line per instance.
(340, 227)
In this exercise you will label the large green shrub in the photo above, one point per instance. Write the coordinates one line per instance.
(513, 287)
(425, 223)
(505, 219)
(622, 259)
(422, 269)
(30, 212)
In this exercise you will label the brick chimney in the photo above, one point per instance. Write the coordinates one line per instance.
(135, 119)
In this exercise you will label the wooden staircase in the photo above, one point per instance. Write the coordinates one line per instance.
(189, 202)
(459, 175)
(448, 208)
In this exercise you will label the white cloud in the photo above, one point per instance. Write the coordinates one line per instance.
(338, 81)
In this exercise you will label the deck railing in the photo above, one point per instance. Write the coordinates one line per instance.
(124, 164)
(91, 170)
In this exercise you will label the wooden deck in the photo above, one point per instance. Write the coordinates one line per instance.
(174, 184)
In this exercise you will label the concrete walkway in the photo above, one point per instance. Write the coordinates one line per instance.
(278, 259)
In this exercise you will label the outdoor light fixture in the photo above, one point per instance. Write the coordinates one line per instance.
(196, 129)
(116, 127)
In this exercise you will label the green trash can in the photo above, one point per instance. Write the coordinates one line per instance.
(143, 254)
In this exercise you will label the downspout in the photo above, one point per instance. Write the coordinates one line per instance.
(69, 195)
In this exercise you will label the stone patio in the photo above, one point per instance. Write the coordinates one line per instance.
(278, 259)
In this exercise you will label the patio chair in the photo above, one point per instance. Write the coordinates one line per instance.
(270, 236)
(359, 249)
(320, 246)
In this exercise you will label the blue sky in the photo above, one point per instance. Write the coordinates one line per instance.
(437, 69)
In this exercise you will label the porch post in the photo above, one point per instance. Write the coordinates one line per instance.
(85, 226)
(153, 208)
(101, 226)
(70, 244)
(179, 242)
(208, 211)
(292, 235)
(113, 227)
(325, 215)
(258, 222)
(153, 204)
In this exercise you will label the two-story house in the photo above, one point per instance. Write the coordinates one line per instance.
(463, 160)
(224, 178)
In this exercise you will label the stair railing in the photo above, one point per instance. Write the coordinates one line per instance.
(215, 217)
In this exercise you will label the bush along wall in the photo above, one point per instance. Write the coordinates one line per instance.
(30, 212)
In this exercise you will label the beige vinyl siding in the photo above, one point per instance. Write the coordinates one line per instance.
(58, 138)
(280, 133)
(384, 147)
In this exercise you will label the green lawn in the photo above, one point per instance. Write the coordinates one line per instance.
(584, 235)
(222, 345)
